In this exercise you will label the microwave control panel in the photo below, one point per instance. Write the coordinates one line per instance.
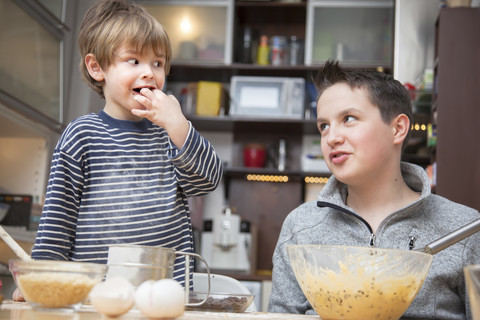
(296, 97)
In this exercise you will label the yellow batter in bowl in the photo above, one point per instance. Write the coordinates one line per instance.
(342, 282)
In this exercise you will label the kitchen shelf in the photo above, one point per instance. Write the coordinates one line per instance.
(192, 72)
(249, 124)
(270, 4)
(189, 72)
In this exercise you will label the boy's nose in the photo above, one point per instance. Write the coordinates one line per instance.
(335, 136)
(147, 72)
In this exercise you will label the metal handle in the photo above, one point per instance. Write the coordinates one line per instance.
(451, 238)
(187, 277)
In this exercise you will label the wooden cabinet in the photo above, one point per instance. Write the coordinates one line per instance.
(457, 105)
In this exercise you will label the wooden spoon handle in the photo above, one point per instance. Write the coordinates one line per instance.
(14, 245)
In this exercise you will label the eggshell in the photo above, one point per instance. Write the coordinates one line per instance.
(113, 297)
(160, 299)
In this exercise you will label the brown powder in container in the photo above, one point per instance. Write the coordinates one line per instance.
(228, 304)
(55, 289)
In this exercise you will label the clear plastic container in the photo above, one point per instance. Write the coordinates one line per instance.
(279, 46)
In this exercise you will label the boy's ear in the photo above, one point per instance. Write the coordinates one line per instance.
(400, 126)
(93, 67)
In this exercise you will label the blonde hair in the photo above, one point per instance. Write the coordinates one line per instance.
(109, 24)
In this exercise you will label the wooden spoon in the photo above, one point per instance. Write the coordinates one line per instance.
(14, 245)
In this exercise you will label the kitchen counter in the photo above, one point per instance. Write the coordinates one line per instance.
(22, 311)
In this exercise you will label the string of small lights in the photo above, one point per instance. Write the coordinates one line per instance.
(322, 180)
(419, 127)
(267, 178)
(283, 178)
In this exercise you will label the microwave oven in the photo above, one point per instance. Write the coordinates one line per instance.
(273, 97)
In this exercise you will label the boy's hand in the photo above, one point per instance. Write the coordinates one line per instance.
(165, 111)
(17, 296)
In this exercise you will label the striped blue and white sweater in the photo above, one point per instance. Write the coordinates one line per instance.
(114, 181)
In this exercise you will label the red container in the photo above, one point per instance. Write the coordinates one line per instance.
(254, 155)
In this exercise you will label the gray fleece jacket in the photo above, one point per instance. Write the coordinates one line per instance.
(329, 221)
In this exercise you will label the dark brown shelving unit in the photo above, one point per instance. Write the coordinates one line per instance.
(238, 124)
(457, 105)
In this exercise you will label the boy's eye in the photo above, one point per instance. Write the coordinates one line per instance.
(349, 118)
(159, 63)
(132, 61)
(322, 127)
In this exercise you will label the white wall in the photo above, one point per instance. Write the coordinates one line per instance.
(414, 38)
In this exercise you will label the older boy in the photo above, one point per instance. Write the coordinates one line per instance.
(374, 199)
(123, 175)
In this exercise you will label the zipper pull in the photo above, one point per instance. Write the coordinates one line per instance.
(411, 243)
(372, 240)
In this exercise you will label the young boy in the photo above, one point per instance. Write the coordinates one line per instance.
(374, 199)
(123, 175)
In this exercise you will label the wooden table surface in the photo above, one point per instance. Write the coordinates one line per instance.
(22, 311)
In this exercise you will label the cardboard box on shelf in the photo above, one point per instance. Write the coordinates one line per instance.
(209, 98)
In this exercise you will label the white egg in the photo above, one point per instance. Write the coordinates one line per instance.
(160, 299)
(113, 297)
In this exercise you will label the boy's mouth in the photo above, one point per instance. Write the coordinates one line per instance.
(337, 154)
(140, 88)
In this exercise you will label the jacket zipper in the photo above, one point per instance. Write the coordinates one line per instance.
(411, 243)
(323, 204)
(372, 240)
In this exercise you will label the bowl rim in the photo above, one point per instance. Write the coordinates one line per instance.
(55, 266)
(226, 294)
(354, 247)
(474, 267)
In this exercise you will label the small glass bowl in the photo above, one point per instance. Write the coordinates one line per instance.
(220, 302)
(48, 284)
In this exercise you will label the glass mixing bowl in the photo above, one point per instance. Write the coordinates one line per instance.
(346, 282)
(472, 280)
(56, 284)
